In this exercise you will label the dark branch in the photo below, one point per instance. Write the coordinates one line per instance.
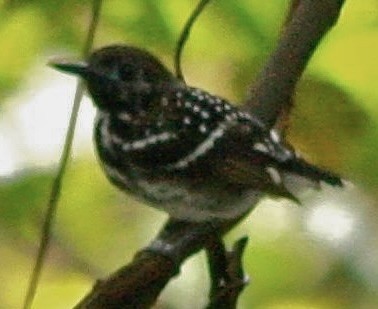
(227, 274)
(272, 94)
(138, 284)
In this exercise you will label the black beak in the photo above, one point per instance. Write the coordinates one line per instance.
(76, 68)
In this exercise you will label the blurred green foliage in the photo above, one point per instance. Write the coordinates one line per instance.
(335, 123)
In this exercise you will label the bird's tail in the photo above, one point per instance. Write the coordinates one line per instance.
(301, 167)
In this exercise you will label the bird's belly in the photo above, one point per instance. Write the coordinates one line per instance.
(196, 203)
(183, 200)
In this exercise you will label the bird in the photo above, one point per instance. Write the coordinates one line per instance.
(179, 148)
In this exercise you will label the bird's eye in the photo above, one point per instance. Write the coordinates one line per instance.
(127, 72)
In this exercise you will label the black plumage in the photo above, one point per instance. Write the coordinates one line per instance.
(180, 148)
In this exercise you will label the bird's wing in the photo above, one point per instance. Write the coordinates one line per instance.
(257, 156)
(182, 124)
(243, 163)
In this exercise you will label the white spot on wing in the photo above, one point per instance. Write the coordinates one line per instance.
(218, 108)
(116, 139)
(275, 136)
(124, 117)
(201, 149)
(274, 175)
(205, 115)
(211, 100)
(227, 107)
(139, 144)
(151, 140)
(164, 101)
(188, 104)
(105, 135)
(126, 147)
(203, 128)
(165, 136)
(187, 120)
(245, 115)
(260, 147)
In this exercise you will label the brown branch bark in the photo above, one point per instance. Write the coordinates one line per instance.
(271, 96)
(138, 284)
(227, 274)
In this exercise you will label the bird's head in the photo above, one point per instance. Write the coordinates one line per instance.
(119, 77)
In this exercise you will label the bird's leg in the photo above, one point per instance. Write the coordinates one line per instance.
(176, 236)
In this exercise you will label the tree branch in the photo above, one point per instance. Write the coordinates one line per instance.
(227, 274)
(271, 96)
(138, 284)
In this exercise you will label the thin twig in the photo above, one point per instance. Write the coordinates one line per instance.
(225, 295)
(57, 182)
(185, 35)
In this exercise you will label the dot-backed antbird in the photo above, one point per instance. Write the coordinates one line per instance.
(179, 148)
